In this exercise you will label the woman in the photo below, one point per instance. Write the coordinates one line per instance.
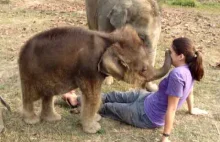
(151, 110)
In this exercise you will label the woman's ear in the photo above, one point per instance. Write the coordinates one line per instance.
(182, 57)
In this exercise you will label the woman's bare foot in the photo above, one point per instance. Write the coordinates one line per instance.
(70, 98)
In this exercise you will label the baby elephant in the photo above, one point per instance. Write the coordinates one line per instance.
(62, 59)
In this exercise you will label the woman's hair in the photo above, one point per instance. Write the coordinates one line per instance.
(192, 57)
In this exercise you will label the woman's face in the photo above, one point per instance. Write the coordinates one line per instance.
(176, 59)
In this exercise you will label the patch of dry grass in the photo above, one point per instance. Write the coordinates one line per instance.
(21, 19)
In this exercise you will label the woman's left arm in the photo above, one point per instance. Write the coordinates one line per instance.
(190, 104)
(169, 117)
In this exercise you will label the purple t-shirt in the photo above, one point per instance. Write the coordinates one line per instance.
(178, 83)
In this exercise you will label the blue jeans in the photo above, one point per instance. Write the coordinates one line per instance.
(127, 107)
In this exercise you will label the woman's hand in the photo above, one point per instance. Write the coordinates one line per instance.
(165, 139)
(197, 111)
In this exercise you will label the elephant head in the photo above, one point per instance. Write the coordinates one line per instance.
(119, 15)
(128, 60)
(142, 15)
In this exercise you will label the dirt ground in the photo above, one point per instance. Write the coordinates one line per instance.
(21, 19)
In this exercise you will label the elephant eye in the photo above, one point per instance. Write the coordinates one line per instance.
(142, 37)
(124, 64)
(144, 69)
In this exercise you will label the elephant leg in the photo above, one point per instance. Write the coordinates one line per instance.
(91, 100)
(47, 112)
(29, 95)
(150, 86)
(28, 113)
(109, 80)
(104, 25)
(155, 39)
(91, 13)
(155, 33)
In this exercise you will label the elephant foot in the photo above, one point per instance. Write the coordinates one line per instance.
(51, 117)
(97, 117)
(109, 80)
(151, 87)
(31, 118)
(91, 127)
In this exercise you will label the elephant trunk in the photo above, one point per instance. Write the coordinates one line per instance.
(158, 73)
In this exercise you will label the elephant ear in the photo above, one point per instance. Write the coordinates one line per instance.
(119, 13)
(111, 63)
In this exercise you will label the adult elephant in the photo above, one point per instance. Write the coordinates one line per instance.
(143, 15)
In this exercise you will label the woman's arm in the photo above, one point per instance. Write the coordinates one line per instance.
(190, 104)
(190, 101)
(170, 115)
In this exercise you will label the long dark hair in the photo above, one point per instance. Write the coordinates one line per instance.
(192, 57)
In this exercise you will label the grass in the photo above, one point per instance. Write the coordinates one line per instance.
(4, 1)
(213, 6)
(19, 21)
(189, 3)
(208, 7)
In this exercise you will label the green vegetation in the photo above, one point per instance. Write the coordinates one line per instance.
(209, 6)
(189, 3)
